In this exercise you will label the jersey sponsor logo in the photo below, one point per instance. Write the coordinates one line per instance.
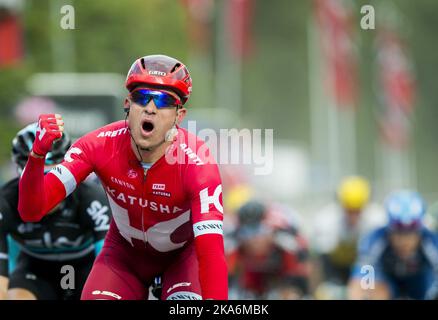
(97, 211)
(28, 227)
(208, 227)
(157, 73)
(69, 153)
(158, 186)
(106, 293)
(112, 134)
(123, 183)
(214, 199)
(68, 225)
(49, 243)
(66, 177)
(177, 285)
(184, 295)
(191, 154)
(132, 174)
(144, 203)
(161, 193)
(158, 190)
(158, 236)
(67, 213)
(30, 276)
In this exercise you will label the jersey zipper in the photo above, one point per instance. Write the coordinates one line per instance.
(142, 208)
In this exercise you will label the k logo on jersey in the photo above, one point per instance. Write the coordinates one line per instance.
(207, 199)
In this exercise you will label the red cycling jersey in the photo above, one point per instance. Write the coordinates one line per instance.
(157, 210)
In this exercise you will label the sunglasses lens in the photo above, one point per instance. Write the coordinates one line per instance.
(164, 100)
(141, 98)
(161, 99)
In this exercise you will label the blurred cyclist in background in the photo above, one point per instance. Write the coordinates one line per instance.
(335, 233)
(270, 256)
(71, 234)
(403, 255)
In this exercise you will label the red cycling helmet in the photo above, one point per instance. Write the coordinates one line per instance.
(160, 71)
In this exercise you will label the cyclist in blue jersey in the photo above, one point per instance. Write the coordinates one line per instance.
(71, 234)
(400, 260)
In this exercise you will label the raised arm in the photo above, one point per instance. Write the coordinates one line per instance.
(39, 193)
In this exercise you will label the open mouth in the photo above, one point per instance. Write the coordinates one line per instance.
(147, 127)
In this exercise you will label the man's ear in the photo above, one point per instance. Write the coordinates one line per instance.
(181, 115)
(127, 105)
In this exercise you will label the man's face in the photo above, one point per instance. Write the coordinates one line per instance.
(405, 243)
(149, 124)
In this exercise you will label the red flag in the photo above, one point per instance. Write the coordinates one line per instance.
(200, 18)
(396, 76)
(239, 16)
(10, 40)
(397, 87)
(335, 21)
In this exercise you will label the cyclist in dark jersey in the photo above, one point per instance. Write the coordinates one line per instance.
(70, 235)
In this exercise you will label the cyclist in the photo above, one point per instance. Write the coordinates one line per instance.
(402, 257)
(336, 230)
(163, 187)
(70, 234)
(270, 256)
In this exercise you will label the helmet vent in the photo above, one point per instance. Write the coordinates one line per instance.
(176, 66)
(142, 63)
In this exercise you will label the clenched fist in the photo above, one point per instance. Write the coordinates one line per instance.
(50, 128)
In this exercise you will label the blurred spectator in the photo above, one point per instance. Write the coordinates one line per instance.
(335, 232)
(403, 255)
(270, 256)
